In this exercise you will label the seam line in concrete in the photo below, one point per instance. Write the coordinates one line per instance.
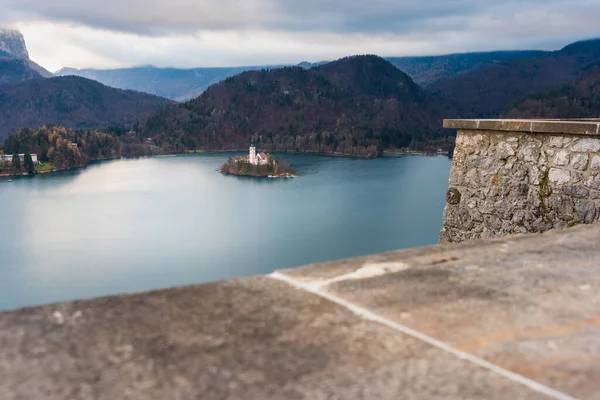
(371, 316)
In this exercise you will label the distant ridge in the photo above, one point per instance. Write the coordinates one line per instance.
(173, 83)
(185, 84)
(486, 91)
(354, 106)
(577, 99)
(427, 70)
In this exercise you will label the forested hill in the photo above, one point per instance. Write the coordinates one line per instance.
(61, 148)
(578, 99)
(13, 70)
(486, 91)
(428, 70)
(353, 106)
(73, 102)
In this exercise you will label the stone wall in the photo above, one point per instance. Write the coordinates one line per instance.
(511, 177)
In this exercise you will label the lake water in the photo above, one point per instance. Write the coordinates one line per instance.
(131, 225)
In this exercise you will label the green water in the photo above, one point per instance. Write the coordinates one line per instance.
(131, 225)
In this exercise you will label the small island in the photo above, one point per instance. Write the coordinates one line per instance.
(259, 165)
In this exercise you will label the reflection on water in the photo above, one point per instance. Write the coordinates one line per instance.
(133, 225)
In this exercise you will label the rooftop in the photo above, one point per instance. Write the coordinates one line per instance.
(516, 317)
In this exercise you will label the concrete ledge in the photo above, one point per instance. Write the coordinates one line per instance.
(566, 127)
(516, 317)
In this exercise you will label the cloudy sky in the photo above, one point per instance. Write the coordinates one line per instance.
(195, 33)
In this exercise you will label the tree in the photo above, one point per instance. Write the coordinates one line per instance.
(29, 163)
(16, 162)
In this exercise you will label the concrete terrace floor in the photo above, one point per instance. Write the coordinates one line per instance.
(515, 318)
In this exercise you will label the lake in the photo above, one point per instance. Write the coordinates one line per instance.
(132, 225)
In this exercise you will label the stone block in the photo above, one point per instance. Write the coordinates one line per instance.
(457, 178)
(453, 196)
(561, 204)
(518, 216)
(587, 145)
(462, 124)
(593, 182)
(576, 191)
(595, 164)
(576, 177)
(559, 176)
(586, 211)
(580, 162)
(562, 158)
(505, 150)
(493, 222)
(506, 125)
(556, 141)
(472, 143)
(565, 127)
(540, 225)
(530, 152)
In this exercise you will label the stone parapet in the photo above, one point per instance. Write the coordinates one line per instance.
(589, 126)
(521, 176)
(512, 318)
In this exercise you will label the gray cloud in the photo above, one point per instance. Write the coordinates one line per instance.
(241, 32)
(160, 17)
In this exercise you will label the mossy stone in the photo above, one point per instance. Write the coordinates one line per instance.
(453, 196)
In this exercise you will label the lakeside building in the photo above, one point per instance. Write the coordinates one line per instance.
(6, 159)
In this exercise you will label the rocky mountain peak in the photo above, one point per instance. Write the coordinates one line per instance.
(13, 43)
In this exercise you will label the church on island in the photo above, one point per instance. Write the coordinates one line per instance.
(256, 159)
(257, 164)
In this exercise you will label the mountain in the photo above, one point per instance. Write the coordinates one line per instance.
(184, 84)
(486, 91)
(15, 65)
(73, 102)
(578, 99)
(430, 69)
(353, 106)
(172, 83)
(12, 42)
(13, 70)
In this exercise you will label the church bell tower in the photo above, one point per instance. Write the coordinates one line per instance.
(252, 157)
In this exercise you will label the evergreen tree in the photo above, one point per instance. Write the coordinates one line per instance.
(29, 163)
(16, 162)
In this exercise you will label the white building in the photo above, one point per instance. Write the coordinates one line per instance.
(257, 159)
(6, 159)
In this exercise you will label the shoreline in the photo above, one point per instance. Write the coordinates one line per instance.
(413, 152)
(316, 153)
(53, 170)
(187, 152)
(284, 176)
(17, 174)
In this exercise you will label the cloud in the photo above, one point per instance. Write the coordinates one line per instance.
(160, 17)
(185, 33)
